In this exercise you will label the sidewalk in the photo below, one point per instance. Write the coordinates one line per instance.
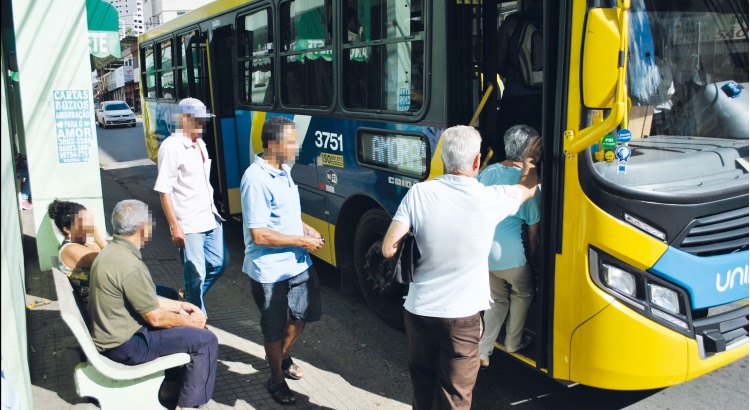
(233, 317)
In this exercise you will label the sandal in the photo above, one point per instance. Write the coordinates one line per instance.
(291, 370)
(280, 392)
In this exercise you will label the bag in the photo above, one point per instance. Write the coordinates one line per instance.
(402, 265)
(530, 52)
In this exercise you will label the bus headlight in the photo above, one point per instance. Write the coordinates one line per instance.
(646, 293)
(619, 280)
(664, 298)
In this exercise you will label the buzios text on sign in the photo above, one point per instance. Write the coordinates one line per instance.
(74, 130)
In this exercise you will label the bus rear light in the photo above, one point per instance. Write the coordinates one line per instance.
(619, 280)
(664, 298)
(669, 318)
(645, 227)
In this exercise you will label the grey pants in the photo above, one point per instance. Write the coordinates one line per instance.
(512, 290)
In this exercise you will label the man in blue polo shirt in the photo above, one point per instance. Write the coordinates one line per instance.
(277, 243)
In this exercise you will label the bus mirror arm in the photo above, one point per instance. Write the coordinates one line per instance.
(586, 137)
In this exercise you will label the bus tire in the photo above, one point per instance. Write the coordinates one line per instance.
(371, 229)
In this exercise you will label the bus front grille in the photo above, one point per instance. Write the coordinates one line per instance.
(717, 234)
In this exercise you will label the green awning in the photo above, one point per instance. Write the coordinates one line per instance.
(104, 27)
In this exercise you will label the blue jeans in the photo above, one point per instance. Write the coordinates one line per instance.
(204, 259)
(23, 175)
(199, 376)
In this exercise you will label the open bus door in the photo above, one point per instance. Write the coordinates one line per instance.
(473, 42)
(207, 62)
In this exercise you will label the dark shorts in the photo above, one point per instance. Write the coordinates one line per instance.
(297, 297)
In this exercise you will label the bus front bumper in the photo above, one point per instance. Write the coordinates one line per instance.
(622, 350)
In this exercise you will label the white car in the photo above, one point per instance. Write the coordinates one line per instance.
(114, 113)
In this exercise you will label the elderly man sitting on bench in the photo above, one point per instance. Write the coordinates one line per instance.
(131, 325)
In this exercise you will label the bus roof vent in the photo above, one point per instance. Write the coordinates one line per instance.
(717, 234)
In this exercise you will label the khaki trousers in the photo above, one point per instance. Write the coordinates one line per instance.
(512, 290)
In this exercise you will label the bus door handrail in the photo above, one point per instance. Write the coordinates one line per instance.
(475, 118)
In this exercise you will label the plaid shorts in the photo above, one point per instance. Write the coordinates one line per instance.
(297, 297)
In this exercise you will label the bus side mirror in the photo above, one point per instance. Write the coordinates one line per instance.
(601, 58)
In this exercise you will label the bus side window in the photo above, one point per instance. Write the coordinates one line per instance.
(165, 69)
(386, 76)
(306, 54)
(355, 88)
(255, 57)
(149, 72)
(183, 88)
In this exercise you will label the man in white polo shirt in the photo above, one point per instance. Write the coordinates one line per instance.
(188, 201)
(453, 218)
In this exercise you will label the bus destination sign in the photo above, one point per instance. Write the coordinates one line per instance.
(74, 130)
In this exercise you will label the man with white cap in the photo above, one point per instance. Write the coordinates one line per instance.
(187, 198)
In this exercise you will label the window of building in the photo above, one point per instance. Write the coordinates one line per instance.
(255, 55)
(306, 53)
(383, 55)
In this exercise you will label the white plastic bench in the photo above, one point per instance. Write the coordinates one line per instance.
(114, 385)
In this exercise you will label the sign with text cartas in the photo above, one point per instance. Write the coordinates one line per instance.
(74, 130)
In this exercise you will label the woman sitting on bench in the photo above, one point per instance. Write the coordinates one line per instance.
(81, 246)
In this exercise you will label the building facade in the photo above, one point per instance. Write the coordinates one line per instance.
(158, 12)
(131, 16)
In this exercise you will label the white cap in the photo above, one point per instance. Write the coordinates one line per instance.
(194, 107)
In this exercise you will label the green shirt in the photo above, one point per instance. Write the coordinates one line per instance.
(121, 290)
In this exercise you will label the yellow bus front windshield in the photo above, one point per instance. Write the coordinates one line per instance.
(687, 133)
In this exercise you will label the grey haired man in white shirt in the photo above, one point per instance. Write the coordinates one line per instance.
(453, 218)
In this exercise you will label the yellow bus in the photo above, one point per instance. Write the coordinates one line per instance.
(642, 275)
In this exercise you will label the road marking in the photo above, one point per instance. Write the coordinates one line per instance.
(520, 402)
(573, 385)
(128, 164)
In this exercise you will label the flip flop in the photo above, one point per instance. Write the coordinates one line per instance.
(281, 392)
(291, 370)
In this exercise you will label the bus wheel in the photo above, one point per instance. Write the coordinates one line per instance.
(386, 300)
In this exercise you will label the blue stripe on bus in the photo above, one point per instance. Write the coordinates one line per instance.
(244, 123)
(711, 280)
(229, 140)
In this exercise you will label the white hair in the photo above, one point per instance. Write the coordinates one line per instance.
(516, 139)
(129, 216)
(461, 144)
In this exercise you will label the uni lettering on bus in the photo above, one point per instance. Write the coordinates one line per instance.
(731, 275)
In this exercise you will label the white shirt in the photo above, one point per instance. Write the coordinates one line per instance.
(184, 174)
(454, 219)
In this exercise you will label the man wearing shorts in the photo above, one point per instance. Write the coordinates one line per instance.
(283, 283)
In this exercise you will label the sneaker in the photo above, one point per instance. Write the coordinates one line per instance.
(525, 341)
(25, 204)
(484, 360)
